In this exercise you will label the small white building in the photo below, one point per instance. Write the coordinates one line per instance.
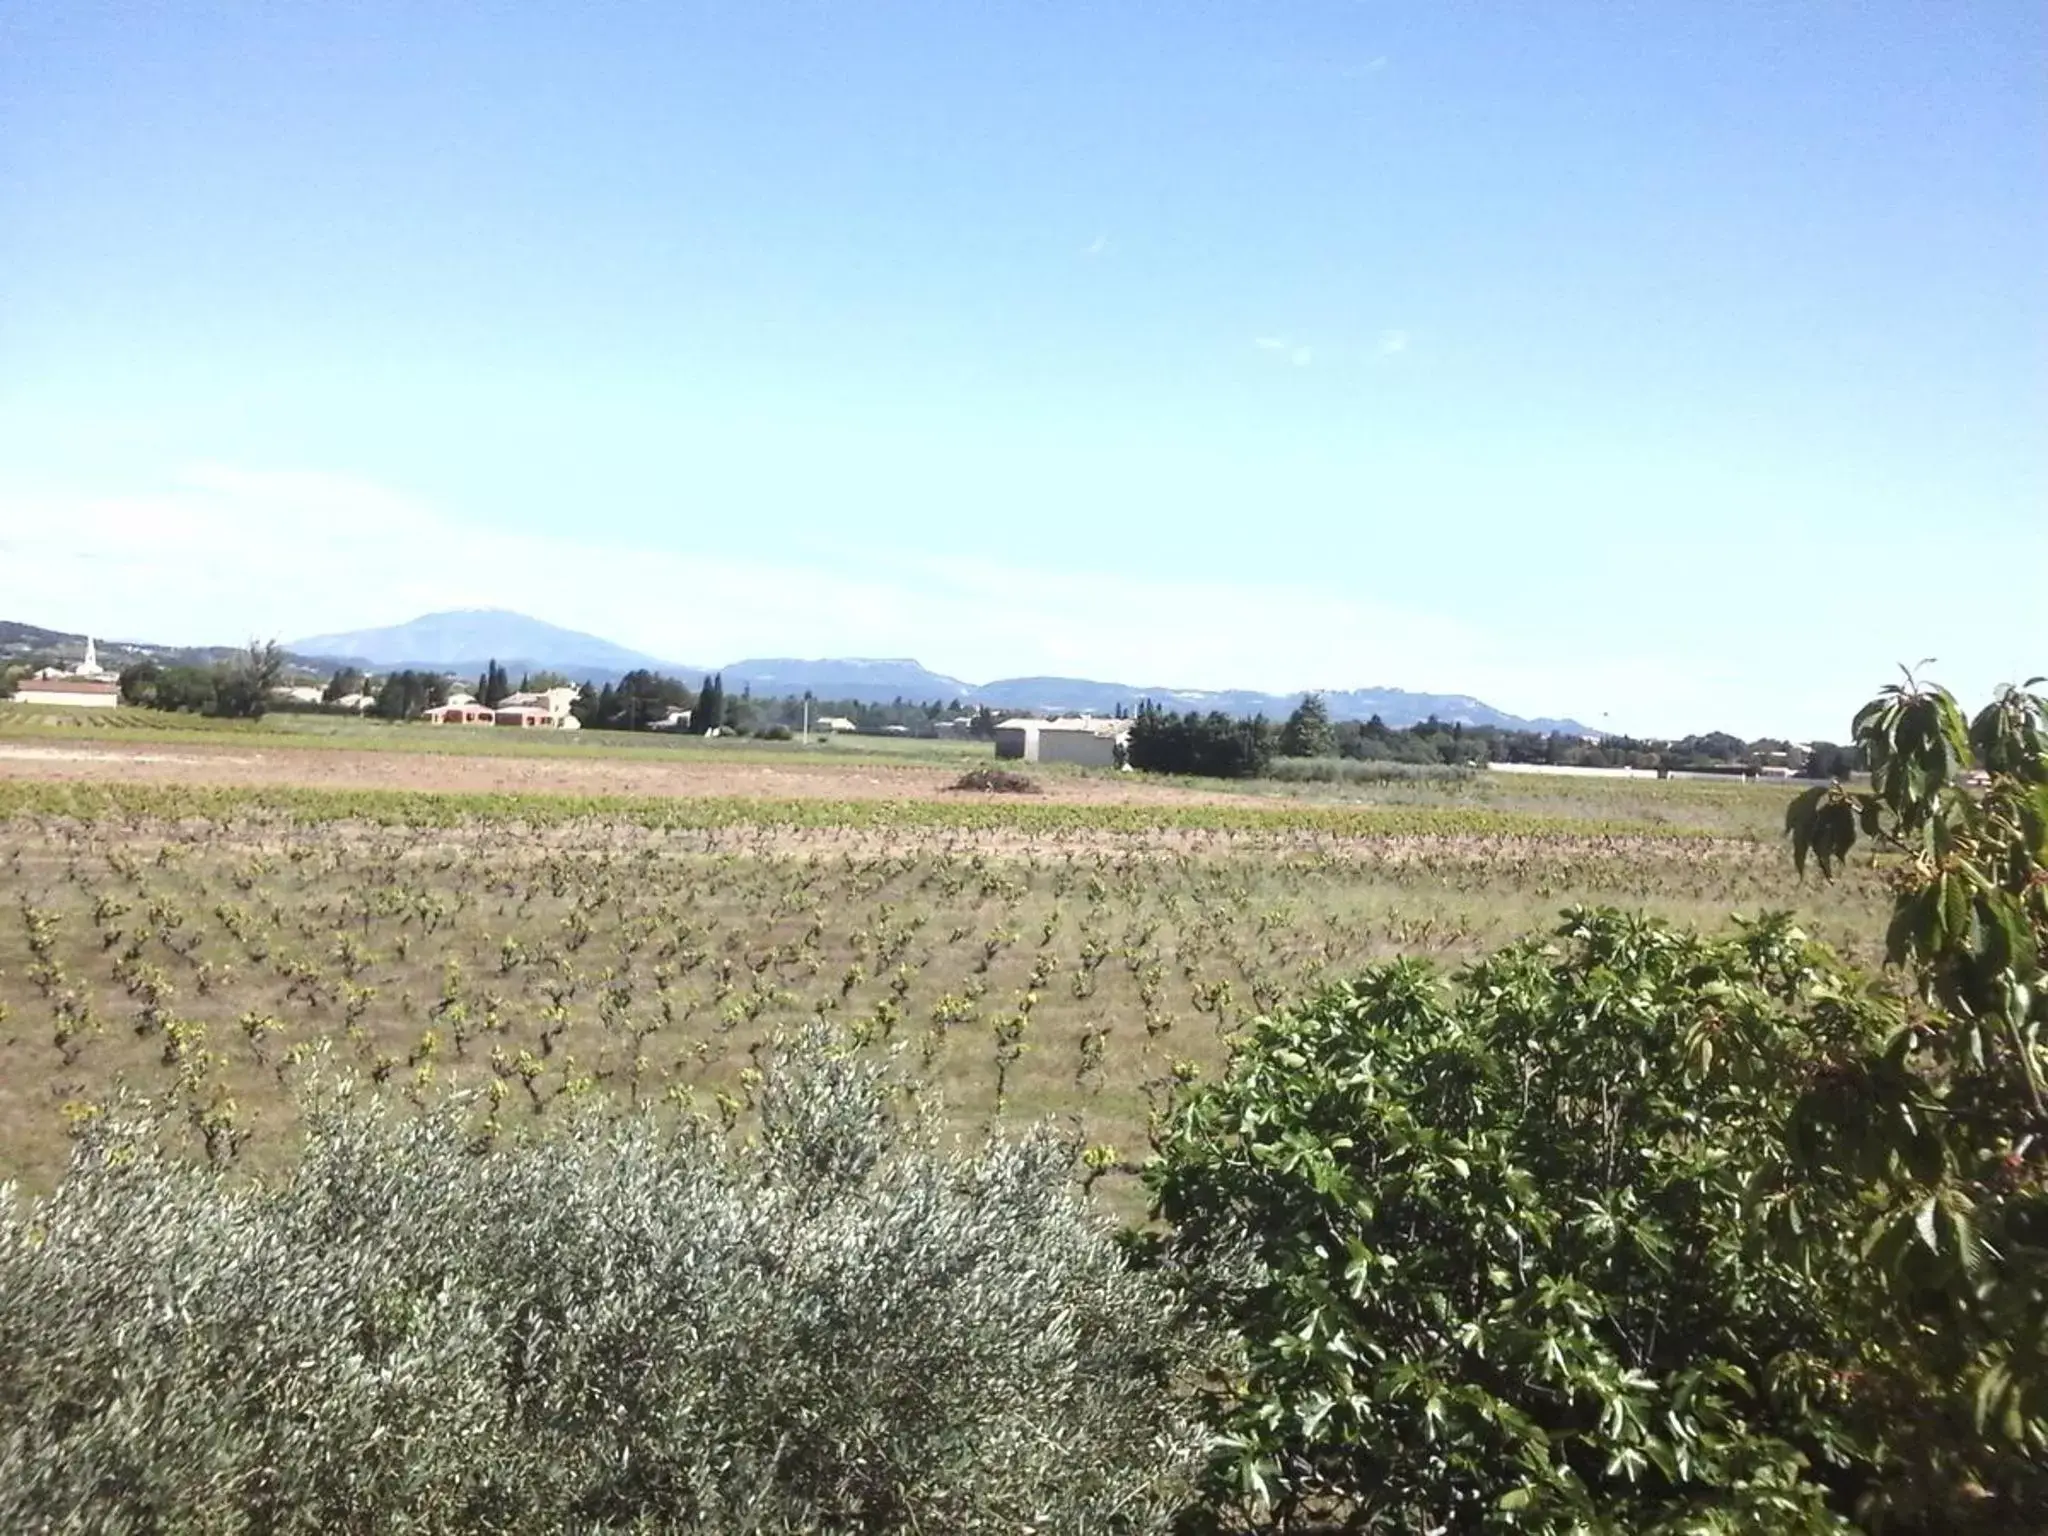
(298, 693)
(68, 692)
(548, 707)
(1085, 740)
(834, 724)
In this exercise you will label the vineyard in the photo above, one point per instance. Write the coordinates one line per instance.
(208, 947)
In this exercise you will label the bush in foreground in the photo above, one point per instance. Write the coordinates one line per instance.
(833, 1325)
(1512, 1269)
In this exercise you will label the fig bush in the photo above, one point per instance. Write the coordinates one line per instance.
(1508, 1268)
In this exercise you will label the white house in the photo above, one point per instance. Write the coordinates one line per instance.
(833, 724)
(548, 707)
(466, 712)
(1086, 740)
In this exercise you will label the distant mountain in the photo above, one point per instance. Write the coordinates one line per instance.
(880, 681)
(861, 680)
(463, 641)
(466, 639)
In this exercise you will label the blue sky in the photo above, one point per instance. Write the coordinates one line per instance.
(1675, 365)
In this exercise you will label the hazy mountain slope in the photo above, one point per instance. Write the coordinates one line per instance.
(466, 638)
(30, 641)
(866, 681)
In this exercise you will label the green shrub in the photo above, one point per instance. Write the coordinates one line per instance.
(831, 1325)
(1946, 1119)
(1508, 1267)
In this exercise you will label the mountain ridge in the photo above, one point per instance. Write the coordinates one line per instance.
(457, 639)
(463, 641)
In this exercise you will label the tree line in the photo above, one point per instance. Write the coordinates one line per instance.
(237, 688)
(1217, 745)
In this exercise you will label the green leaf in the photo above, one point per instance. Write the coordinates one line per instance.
(1924, 1222)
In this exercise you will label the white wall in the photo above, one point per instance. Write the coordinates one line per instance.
(1089, 747)
(69, 700)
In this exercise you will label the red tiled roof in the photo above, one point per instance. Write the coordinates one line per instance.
(66, 685)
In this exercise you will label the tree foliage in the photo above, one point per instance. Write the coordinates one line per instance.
(241, 687)
(1946, 1119)
(345, 681)
(1308, 732)
(837, 1323)
(639, 699)
(709, 713)
(492, 685)
(1506, 1269)
(408, 694)
(1214, 745)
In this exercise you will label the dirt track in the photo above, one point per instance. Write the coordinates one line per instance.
(240, 763)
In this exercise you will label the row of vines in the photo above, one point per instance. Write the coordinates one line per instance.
(1026, 965)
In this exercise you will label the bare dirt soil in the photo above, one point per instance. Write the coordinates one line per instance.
(238, 764)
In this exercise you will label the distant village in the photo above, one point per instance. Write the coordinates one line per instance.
(560, 705)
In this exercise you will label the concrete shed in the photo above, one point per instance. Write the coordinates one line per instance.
(1018, 739)
(1087, 741)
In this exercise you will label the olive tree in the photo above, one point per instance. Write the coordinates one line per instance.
(834, 1323)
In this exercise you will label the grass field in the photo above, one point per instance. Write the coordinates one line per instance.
(204, 943)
